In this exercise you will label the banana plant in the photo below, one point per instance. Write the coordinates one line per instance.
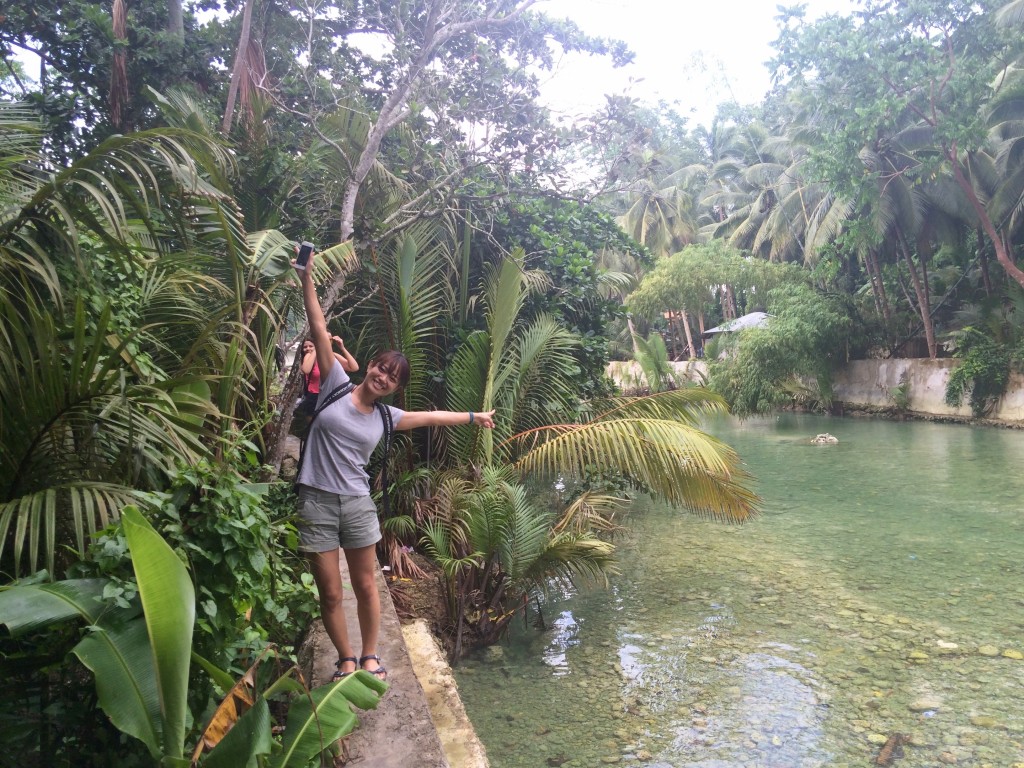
(140, 658)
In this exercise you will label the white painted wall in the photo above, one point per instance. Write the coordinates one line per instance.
(870, 382)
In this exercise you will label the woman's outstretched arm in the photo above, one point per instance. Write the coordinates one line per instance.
(413, 419)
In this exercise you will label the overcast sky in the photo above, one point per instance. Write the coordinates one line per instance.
(697, 54)
(692, 54)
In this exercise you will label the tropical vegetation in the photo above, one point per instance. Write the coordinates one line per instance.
(153, 181)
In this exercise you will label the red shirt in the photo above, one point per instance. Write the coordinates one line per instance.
(313, 379)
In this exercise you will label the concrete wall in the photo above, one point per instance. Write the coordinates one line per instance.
(628, 375)
(869, 384)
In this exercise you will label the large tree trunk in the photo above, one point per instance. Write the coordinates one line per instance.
(175, 20)
(922, 296)
(1003, 255)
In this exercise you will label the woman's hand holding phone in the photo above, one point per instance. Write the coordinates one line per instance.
(305, 251)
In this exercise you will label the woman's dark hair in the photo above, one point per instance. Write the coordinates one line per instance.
(393, 363)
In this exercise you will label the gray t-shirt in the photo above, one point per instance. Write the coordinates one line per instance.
(341, 441)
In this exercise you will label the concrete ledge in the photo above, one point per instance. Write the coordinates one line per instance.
(460, 742)
(400, 732)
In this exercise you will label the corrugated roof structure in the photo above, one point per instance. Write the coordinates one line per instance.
(752, 320)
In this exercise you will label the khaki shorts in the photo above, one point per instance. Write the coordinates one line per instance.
(328, 520)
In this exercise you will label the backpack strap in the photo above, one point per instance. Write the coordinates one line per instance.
(389, 431)
(333, 396)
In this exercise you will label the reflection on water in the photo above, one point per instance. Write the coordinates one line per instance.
(563, 637)
(879, 594)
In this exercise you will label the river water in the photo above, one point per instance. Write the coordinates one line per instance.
(880, 593)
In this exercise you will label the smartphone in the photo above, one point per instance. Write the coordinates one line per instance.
(304, 251)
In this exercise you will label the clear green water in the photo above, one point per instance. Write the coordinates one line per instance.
(876, 595)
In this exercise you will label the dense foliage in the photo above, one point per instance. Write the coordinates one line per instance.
(153, 181)
(146, 299)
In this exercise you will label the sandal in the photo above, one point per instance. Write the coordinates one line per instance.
(381, 672)
(338, 674)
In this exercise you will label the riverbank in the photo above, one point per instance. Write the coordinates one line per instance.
(917, 388)
(913, 388)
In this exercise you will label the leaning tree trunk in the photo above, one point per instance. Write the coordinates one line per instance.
(922, 297)
(1003, 254)
(241, 67)
(878, 285)
(689, 337)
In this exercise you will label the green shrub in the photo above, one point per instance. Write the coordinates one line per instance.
(755, 369)
(983, 372)
(240, 545)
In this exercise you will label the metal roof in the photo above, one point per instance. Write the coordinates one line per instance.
(752, 320)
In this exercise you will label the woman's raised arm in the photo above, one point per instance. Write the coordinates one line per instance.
(315, 317)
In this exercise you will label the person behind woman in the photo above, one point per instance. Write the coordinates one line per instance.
(334, 507)
(311, 370)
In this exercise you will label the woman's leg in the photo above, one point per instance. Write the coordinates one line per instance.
(362, 569)
(327, 575)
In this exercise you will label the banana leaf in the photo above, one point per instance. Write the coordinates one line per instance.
(318, 720)
(245, 742)
(169, 607)
(121, 660)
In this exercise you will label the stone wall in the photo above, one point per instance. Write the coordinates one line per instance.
(869, 384)
(628, 375)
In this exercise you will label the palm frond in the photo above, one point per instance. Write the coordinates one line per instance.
(74, 416)
(591, 511)
(678, 462)
(569, 559)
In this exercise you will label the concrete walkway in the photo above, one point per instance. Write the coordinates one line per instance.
(401, 732)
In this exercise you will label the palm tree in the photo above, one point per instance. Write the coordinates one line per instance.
(524, 369)
(129, 297)
(496, 548)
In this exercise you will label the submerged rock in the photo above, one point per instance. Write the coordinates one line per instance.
(925, 704)
(824, 439)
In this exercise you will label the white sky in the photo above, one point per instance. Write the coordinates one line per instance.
(670, 37)
(694, 55)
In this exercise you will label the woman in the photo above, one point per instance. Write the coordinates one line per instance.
(335, 508)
